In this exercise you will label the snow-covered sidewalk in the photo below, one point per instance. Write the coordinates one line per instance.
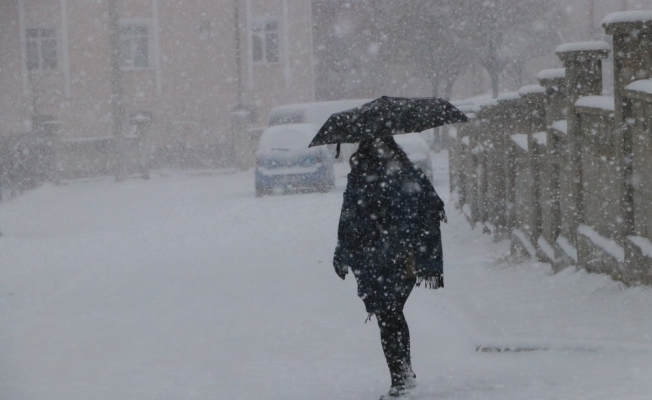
(188, 287)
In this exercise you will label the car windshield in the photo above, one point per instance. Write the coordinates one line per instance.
(295, 136)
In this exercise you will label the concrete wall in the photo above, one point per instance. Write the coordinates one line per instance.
(576, 180)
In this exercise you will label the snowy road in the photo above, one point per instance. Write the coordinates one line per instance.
(188, 287)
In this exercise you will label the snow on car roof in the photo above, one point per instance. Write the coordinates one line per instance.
(315, 113)
(412, 143)
(290, 136)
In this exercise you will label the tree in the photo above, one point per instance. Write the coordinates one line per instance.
(504, 32)
(426, 34)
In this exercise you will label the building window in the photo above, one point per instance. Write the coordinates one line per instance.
(134, 46)
(265, 41)
(41, 49)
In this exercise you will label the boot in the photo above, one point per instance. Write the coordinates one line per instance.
(397, 393)
(410, 379)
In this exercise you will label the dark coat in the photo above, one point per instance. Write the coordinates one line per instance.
(390, 217)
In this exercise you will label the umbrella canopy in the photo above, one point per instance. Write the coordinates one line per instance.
(387, 116)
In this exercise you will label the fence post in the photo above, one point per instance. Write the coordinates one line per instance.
(583, 63)
(554, 82)
(632, 41)
(534, 118)
(507, 123)
(494, 141)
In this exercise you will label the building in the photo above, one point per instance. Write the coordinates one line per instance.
(184, 64)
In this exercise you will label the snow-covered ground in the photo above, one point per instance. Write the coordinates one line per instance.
(186, 286)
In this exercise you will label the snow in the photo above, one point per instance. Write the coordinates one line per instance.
(554, 73)
(628, 16)
(186, 286)
(452, 132)
(521, 140)
(567, 247)
(289, 137)
(546, 248)
(525, 241)
(644, 85)
(314, 113)
(601, 102)
(561, 126)
(643, 243)
(289, 170)
(608, 245)
(468, 108)
(466, 209)
(541, 138)
(414, 145)
(583, 46)
(465, 141)
(508, 96)
(531, 89)
(486, 102)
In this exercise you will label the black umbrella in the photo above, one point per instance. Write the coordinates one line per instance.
(387, 116)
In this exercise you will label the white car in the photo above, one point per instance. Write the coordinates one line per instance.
(417, 150)
(315, 113)
(284, 161)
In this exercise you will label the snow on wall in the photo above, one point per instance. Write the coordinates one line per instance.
(546, 248)
(531, 89)
(452, 132)
(486, 102)
(582, 46)
(467, 108)
(541, 138)
(601, 102)
(561, 126)
(643, 243)
(644, 86)
(608, 245)
(627, 16)
(554, 73)
(567, 247)
(458, 103)
(521, 140)
(525, 241)
(508, 96)
(466, 209)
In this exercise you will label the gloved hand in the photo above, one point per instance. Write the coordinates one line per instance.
(442, 216)
(341, 269)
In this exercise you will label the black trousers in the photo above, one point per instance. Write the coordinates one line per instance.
(394, 332)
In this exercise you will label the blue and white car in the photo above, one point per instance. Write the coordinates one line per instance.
(285, 163)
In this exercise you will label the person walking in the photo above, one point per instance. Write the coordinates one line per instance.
(389, 237)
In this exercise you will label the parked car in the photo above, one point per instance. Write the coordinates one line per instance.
(284, 161)
(315, 113)
(417, 150)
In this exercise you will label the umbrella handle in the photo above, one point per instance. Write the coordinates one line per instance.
(337, 150)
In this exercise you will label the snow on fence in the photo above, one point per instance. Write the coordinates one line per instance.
(564, 170)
